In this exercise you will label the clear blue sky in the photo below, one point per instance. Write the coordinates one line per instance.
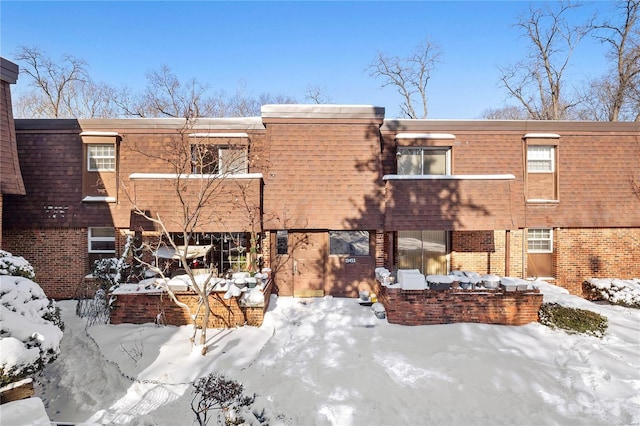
(284, 47)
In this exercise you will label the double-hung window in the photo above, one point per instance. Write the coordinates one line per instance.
(102, 240)
(541, 183)
(101, 157)
(540, 240)
(424, 161)
(540, 159)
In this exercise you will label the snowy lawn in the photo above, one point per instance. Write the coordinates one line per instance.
(330, 361)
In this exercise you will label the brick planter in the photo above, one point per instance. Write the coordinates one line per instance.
(424, 307)
(153, 307)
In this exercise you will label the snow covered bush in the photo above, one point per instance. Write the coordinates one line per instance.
(615, 291)
(573, 320)
(15, 265)
(30, 324)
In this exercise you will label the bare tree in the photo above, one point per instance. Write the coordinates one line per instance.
(198, 187)
(53, 82)
(538, 82)
(510, 112)
(317, 95)
(614, 97)
(409, 76)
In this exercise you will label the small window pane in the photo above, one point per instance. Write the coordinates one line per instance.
(410, 162)
(102, 157)
(434, 162)
(204, 158)
(233, 160)
(282, 242)
(540, 159)
(350, 243)
(102, 240)
(540, 240)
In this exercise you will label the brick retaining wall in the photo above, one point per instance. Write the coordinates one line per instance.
(425, 307)
(141, 308)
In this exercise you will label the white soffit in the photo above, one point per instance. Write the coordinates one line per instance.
(425, 136)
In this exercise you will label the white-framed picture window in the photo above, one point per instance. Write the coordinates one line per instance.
(424, 161)
(540, 159)
(101, 157)
(218, 159)
(102, 240)
(540, 240)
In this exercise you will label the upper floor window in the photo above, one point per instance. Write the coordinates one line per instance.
(102, 240)
(101, 157)
(218, 159)
(424, 161)
(540, 159)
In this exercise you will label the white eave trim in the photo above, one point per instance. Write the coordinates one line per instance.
(425, 136)
(542, 136)
(106, 134)
(219, 135)
(97, 199)
(449, 177)
(194, 176)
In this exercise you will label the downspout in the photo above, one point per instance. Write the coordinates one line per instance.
(507, 253)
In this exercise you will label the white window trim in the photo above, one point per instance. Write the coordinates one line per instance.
(550, 250)
(429, 148)
(221, 148)
(92, 169)
(91, 239)
(552, 159)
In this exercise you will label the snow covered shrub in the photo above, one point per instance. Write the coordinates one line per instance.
(573, 320)
(618, 292)
(216, 392)
(30, 329)
(15, 265)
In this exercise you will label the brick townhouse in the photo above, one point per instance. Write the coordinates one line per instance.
(331, 192)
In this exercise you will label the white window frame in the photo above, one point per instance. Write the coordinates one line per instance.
(534, 153)
(91, 239)
(222, 165)
(101, 158)
(537, 238)
(423, 149)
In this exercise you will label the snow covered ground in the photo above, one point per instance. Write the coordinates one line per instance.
(330, 361)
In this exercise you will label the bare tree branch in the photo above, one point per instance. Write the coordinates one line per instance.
(409, 76)
(537, 82)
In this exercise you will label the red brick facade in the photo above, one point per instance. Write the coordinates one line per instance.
(159, 308)
(427, 307)
(58, 255)
(315, 169)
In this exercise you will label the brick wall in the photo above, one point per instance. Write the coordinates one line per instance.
(58, 256)
(484, 252)
(141, 308)
(424, 307)
(595, 253)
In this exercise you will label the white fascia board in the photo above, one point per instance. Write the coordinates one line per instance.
(542, 136)
(425, 136)
(219, 135)
(98, 199)
(194, 176)
(449, 177)
(106, 134)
